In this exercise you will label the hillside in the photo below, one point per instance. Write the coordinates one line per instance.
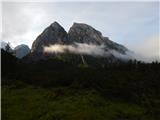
(55, 89)
(79, 75)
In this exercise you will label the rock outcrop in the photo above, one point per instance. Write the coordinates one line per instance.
(54, 34)
(83, 33)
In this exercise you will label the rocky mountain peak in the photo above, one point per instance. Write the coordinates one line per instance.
(78, 33)
(81, 26)
(56, 26)
(55, 33)
(83, 33)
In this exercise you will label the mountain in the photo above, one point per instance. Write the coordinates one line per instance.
(3, 45)
(79, 35)
(21, 50)
(6, 46)
(83, 33)
(54, 34)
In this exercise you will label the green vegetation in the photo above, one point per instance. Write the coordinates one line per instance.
(35, 103)
(58, 90)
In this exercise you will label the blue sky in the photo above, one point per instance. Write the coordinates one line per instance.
(133, 24)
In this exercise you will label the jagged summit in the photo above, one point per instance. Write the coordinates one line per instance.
(55, 33)
(83, 33)
(82, 25)
(56, 25)
(80, 33)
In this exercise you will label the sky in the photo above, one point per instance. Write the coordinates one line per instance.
(132, 24)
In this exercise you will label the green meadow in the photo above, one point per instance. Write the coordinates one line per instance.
(36, 103)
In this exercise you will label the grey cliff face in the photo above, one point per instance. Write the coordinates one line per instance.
(83, 33)
(114, 46)
(55, 33)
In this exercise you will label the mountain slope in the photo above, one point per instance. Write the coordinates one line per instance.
(21, 50)
(53, 34)
(3, 45)
(83, 33)
(81, 39)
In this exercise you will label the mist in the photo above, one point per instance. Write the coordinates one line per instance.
(97, 51)
(86, 49)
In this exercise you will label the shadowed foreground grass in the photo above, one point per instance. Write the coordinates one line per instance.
(35, 103)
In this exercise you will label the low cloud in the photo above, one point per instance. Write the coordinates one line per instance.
(100, 51)
(147, 50)
(85, 49)
(77, 48)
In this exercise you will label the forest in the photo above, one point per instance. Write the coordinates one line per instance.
(55, 89)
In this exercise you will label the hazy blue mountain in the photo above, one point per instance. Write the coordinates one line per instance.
(6, 46)
(21, 50)
(3, 45)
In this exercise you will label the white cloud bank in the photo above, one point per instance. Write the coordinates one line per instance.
(99, 51)
(77, 48)
(85, 49)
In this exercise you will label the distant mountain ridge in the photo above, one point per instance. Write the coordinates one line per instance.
(81, 43)
(78, 33)
(21, 50)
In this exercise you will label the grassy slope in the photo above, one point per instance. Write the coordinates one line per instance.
(35, 103)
